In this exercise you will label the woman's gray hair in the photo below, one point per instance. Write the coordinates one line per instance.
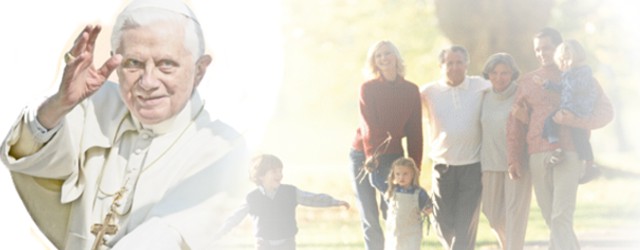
(501, 58)
(142, 13)
(371, 71)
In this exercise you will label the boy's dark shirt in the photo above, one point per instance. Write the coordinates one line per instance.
(274, 219)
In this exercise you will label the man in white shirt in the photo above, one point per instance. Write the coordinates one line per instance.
(134, 165)
(452, 106)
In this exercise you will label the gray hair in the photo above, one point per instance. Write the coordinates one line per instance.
(501, 58)
(371, 71)
(141, 13)
(454, 48)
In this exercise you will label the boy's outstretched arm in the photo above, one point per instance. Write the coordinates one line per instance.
(318, 200)
(232, 221)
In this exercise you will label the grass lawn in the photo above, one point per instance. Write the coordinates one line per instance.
(610, 203)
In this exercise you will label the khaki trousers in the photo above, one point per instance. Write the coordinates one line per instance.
(506, 204)
(556, 190)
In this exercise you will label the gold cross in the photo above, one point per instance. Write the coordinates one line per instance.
(106, 227)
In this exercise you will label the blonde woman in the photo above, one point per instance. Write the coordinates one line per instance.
(390, 110)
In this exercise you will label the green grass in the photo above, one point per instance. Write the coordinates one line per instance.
(610, 203)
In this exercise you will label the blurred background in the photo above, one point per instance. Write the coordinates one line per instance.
(326, 43)
(286, 73)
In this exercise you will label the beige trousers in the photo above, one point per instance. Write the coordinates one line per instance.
(556, 190)
(506, 203)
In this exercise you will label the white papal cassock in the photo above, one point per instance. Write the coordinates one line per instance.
(179, 177)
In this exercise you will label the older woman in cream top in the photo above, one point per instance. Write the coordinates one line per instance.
(505, 202)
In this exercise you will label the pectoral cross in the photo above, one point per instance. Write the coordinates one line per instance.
(106, 227)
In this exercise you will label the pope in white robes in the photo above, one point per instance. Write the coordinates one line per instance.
(135, 165)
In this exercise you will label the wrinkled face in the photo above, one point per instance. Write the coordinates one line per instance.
(271, 179)
(454, 67)
(385, 59)
(157, 74)
(403, 176)
(544, 49)
(500, 77)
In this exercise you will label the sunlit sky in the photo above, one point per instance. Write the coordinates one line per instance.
(242, 35)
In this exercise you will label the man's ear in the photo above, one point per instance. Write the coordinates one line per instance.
(201, 68)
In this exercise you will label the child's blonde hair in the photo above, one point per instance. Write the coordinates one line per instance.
(570, 50)
(402, 162)
(260, 164)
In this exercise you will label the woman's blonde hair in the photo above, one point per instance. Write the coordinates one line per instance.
(261, 164)
(402, 162)
(371, 71)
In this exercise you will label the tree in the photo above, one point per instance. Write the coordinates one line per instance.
(485, 27)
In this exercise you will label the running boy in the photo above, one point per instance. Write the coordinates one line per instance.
(272, 206)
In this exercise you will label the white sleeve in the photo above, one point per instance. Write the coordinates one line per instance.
(33, 151)
(40, 133)
(153, 234)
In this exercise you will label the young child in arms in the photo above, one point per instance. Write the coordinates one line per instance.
(578, 95)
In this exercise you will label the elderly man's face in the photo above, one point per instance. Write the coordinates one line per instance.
(454, 67)
(158, 74)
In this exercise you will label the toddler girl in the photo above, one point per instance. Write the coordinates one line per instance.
(407, 203)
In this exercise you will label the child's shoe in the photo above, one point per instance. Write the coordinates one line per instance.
(556, 158)
(591, 172)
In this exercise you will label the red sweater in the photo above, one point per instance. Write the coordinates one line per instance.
(392, 107)
(523, 138)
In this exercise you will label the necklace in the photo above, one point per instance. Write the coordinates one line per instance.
(130, 182)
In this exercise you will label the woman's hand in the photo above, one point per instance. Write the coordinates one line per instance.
(520, 111)
(427, 211)
(514, 172)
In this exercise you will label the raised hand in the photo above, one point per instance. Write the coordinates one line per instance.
(80, 78)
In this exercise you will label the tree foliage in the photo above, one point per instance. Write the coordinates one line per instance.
(485, 27)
